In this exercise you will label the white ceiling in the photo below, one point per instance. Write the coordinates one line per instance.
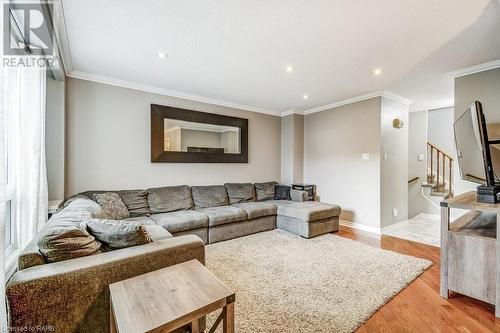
(236, 51)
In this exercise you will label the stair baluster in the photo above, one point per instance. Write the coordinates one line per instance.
(437, 174)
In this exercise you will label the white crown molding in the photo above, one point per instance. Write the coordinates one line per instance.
(381, 93)
(475, 69)
(443, 106)
(172, 93)
(292, 111)
(61, 36)
(359, 226)
(396, 97)
(166, 92)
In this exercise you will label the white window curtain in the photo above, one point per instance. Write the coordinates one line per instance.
(27, 106)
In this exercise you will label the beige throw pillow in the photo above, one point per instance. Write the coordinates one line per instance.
(112, 206)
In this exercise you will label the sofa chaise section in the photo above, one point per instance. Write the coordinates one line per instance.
(308, 219)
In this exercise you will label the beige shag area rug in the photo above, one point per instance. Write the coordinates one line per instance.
(285, 283)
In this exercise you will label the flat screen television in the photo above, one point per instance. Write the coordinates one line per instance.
(473, 146)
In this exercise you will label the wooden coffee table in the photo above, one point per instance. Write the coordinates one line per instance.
(170, 298)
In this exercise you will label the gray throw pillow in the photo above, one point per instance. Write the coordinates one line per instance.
(67, 242)
(282, 192)
(112, 206)
(117, 234)
(136, 202)
(265, 191)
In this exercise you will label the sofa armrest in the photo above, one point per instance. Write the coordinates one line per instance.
(73, 295)
(298, 195)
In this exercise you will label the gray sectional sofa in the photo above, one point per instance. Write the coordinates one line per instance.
(220, 212)
(73, 295)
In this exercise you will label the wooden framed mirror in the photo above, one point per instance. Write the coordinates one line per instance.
(187, 136)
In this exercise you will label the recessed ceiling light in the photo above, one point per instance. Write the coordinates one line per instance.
(161, 55)
(289, 69)
(377, 71)
(306, 96)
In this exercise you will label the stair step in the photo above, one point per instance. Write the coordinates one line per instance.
(440, 194)
(431, 185)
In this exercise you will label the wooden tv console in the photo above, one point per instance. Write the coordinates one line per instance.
(470, 256)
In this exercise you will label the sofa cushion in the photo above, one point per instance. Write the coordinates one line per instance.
(257, 209)
(83, 202)
(157, 232)
(240, 192)
(117, 234)
(144, 220)
(136, 202)
(309, 211)
(181, 220)
(169, 199)
(223, 214)
(75, 210)
(280, 202)
(265, 191)
(60, 243)
(112, 205)
(209, 196)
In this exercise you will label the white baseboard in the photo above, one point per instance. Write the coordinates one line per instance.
(373, 230)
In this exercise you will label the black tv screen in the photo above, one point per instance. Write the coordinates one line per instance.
(473, 151)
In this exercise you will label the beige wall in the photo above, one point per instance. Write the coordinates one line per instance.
(417, 143)
(394, 163)
(298, 148)
(54, 138)
(292, 149)
(108, 142)
(334, 141)
(483, 87)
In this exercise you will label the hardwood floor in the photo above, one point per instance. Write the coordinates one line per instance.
(419, 308)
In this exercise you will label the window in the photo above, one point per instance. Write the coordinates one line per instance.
(7, 184)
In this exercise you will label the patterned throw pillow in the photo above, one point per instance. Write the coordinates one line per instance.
(67, 242)
(117, 234)
(112, 205)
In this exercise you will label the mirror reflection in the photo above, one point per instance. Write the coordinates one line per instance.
(186, 136)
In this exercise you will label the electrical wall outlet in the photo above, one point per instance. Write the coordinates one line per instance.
(395, 212)
(365, 157)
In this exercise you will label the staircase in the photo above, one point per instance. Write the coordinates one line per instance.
(439, 173)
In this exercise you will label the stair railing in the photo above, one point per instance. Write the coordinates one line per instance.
(440, 169)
